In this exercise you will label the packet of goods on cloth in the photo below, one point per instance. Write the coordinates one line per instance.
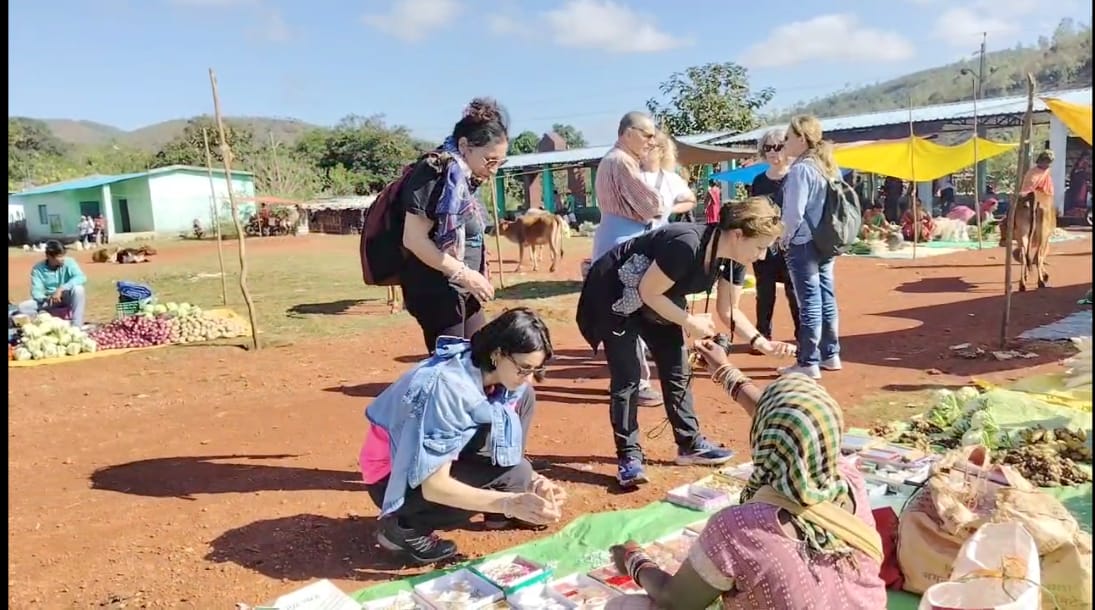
(996, 569)
(964, 493)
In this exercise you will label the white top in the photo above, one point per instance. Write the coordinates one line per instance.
(669, 186)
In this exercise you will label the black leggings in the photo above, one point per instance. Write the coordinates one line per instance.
(444, 313)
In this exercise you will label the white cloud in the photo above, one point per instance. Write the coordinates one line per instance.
(839, 37)
(607, 26)
(413, 20)
(505, 25)
(962, 27)
(214, 3)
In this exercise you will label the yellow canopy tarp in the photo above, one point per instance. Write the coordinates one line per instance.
(1076, 117)
(916, 159)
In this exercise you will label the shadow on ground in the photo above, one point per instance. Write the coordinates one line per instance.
(186, 477)
(332, 308)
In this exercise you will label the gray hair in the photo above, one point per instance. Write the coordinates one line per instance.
(774, 135)
(633, 119)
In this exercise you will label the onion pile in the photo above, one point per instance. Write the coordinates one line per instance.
(134, 331)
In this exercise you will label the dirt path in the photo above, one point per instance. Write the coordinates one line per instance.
(199, 477)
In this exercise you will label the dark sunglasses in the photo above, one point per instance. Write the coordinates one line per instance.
(773, 148)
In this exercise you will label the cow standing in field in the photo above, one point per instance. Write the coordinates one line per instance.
(535, 230)
(1035, 219)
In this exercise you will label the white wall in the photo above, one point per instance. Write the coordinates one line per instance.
(181, 196)
(15, 211)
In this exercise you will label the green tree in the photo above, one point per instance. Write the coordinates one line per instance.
(711, 97)
(571, 134)
(113, 158)
(525, 143)
(188, 148)
(359, 155)
(35, 155)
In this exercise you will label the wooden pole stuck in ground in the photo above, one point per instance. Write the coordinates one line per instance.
(216, 216)
(226, 156)
(1009, 222)
(497, 231)
(912, 183)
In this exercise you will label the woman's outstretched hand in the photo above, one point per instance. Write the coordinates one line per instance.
(713, 355)
(620, 553)
(779, 349)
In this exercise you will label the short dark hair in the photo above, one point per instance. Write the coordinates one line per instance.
(54, 248)
(711, 182)
(516, 331)
(485, 122)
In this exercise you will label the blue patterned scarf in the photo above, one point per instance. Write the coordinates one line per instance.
(457, 199)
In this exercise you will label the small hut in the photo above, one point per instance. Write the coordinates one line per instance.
(337, 215)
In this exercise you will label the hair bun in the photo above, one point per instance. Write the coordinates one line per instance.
(483, 109)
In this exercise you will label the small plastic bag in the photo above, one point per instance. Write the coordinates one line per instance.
(997, 569)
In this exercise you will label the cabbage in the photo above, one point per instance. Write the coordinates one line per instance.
(22, 353)
(966, 394)
(945, 410)
(50, 340)
(44, 316)
(50, 351)
(37, 354)
(72, 349)
(88, 346)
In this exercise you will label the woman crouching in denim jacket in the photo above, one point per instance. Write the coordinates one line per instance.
(804, 192)
(446, 441)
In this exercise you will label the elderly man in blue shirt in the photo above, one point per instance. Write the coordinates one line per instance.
(57, 282)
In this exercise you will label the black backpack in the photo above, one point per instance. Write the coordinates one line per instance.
(841, 220)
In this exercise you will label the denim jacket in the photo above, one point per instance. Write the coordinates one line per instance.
(431, 412)
(804, 191)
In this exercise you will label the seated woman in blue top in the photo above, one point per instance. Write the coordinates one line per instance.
(446, 441)
(55, 283)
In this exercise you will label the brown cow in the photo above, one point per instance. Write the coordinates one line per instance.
(535, 230)
(1034, 222)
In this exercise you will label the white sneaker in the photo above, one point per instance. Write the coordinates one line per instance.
(810, 371)
(831, 364)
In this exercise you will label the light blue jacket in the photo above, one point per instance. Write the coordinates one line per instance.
(614, 230)
(432, 411)
(804, 191)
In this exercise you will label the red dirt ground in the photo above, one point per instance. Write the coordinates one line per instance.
(202, 477)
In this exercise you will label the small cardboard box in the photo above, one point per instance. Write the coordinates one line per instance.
(443, 590)
(581, 592)
(609, 576)
(491, 571)
(404, 600)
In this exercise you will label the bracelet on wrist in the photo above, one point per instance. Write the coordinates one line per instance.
(753, 342)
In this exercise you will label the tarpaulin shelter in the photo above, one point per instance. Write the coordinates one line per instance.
(1076, 117)
(702, 154)
(917, 159)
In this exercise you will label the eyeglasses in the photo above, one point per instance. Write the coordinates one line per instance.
(494, 162)
(525, 370)
(773, 148)
(647, 135)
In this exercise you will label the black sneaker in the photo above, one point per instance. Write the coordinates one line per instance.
(501, 522)
(423, 550)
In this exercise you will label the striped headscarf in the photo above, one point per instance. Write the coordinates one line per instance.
(795, 441)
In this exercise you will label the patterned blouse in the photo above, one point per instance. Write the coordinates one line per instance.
(745, 551)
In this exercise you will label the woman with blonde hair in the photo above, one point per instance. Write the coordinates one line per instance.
(639, 289)
(805, 190)
(772, 269)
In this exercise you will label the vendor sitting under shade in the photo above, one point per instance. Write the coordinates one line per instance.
(57, 286)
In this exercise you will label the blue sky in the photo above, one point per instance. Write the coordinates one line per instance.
(130, 63)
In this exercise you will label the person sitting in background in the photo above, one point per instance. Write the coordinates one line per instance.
(100, 231)
(447, 440)
(57, 283)
(803, 535)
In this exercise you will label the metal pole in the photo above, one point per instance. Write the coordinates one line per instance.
(976, 166)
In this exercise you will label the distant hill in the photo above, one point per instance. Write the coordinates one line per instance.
(152, 137)
(1062, 61)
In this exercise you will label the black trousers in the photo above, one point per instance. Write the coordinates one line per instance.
(769, 271)
(444, 312)
(474, 467)
(666, 345)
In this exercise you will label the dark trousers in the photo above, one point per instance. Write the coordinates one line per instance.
(666, 345)
(769, 271)
(446, 312)
(474, 467)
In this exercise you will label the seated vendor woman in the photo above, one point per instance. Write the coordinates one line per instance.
(803, 535)
(446, 441)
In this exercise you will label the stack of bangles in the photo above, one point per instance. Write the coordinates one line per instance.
(637, 561)
(731, 379)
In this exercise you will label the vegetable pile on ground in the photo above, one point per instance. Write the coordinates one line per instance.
(49, 337)
(1045, 457)
(132, 332)
(189, 324)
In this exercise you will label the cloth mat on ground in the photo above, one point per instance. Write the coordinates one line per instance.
(1076, 324)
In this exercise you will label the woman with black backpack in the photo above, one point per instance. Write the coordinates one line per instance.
(444, 278)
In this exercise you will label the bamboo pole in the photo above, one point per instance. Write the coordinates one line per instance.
(912, 183)
(216, 216)
(976, 169)
(497, 229)
(1009, 241)
(226, 155)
